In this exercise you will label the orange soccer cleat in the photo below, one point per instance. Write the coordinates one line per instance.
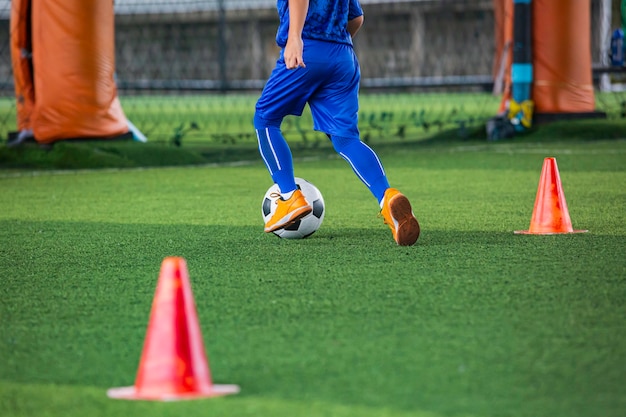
(398, 215)
(288, 211)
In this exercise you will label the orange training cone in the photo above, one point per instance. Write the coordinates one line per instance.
(173, 363)
(550, 215)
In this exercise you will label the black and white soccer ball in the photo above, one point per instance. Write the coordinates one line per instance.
(307, 225)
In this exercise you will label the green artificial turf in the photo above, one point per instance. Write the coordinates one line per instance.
(471, 321)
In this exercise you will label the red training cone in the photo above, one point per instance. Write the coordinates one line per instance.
(550, 215)
(173, 363)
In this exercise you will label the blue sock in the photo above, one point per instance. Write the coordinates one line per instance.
(364, 162)
(275, 153)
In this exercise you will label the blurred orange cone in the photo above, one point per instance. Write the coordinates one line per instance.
(173, 363)
(550, 215)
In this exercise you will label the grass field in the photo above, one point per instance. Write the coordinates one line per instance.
(471, 321)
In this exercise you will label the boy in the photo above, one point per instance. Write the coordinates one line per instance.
(317, 65)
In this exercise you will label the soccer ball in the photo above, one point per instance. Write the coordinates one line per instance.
(307, 225)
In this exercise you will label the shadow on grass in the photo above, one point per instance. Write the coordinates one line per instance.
(125, 154)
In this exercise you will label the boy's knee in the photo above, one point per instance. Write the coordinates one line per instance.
(262, 123)
(340, 143)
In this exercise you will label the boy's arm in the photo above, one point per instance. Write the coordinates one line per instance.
(354, 25)
(293, 50)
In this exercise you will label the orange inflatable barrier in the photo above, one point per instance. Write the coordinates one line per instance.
(503, 13)
(561, 56)
(71, 92)
(563, 79)
(21, 62)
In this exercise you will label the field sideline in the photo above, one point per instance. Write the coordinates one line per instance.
(472, 321)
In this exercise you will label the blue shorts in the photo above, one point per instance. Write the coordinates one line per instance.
(329, 83)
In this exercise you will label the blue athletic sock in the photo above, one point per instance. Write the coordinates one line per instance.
(365, 164)
(275, 153)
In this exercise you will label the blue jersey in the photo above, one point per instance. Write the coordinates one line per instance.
(326, 20)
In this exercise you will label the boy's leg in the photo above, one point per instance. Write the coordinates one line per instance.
(364, 163)
(285, 93)
(395, 207)
(334, 108)
(275, 153)
(292, 205)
